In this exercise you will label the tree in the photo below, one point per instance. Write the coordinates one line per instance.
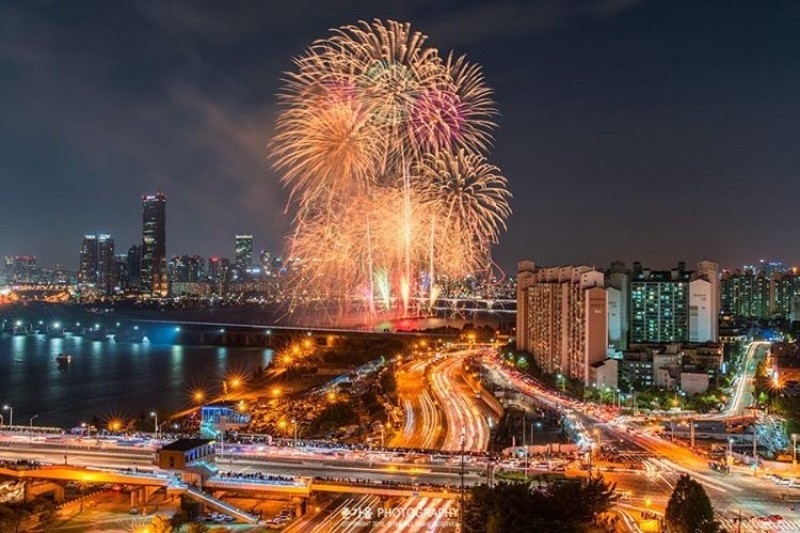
(563, 506)
(178, 519)
(689, 510)
(160, 524)
(13, 515)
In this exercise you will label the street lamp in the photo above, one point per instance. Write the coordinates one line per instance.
(294, 423)
(155, 424)
(10, 410)
(30, 425)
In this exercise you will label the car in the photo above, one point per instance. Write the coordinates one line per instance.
(775, 518)
(133, 510)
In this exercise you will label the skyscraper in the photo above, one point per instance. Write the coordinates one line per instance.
(121, 271)
(244, 254)
(97, 266)
(154, 245)
(87, 270)
(134, 267)
(106, 269)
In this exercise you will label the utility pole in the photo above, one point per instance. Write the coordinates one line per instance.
(524, 447)
(691, 431)
(755, 448)
(463, 445)
(222, 437)
(755, 442)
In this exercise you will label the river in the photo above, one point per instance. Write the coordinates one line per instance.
(106, 378)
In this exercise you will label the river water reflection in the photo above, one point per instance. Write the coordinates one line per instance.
(108, 378)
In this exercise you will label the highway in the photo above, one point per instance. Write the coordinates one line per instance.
(343, 514)
(462, 409)
(424, 426)
(357, 466)
(440, 406)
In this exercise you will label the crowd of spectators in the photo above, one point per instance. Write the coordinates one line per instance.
(21, 464)
(272, 479)
(388, 483)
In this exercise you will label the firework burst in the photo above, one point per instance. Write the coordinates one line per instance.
(380, 143)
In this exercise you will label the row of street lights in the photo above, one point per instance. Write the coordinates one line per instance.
(10, 409)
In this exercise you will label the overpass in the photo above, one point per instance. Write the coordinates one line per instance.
(146, 483)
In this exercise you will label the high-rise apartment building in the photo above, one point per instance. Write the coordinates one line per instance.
(784, 292)
(154, 245)
(704, 303)
(746, 294)
(618, 278)
(659, 305)
(562, 317)
(97, 265)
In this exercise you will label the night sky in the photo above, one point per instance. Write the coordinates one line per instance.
(629, 129)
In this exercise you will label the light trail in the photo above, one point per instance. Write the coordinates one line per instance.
(423, 425)
(460, 409)
(744, 384)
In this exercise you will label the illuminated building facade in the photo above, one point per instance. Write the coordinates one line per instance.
(659, 305)
(97, 263)
(244, 254)
(187, 269)
(154, 245)
(564, 318)
(134, 267)
(746, 294)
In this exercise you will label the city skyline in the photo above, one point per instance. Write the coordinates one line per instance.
(196, 120)
(393, 267)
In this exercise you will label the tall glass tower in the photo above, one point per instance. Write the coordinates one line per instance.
(153, 271)
(244, 254)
